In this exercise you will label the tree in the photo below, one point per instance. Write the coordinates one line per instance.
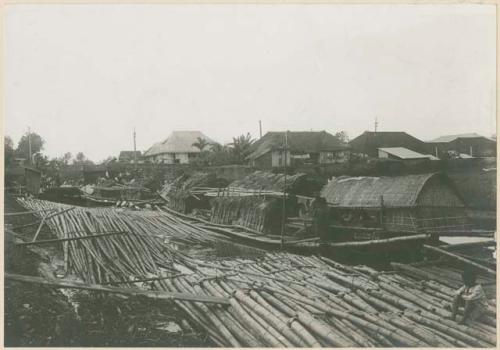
(201, 143)
(342, 136)
(66, 158)
(80, 159)
(8, 150)
(23, 147)
(241, 146)
(220, 154)
(40, 161)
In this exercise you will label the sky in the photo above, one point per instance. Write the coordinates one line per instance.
(84, 76)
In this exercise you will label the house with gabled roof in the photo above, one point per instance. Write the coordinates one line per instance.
(369, 142)
(177, 148)
(303, 147)
(471, 144)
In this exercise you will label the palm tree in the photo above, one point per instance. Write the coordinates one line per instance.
(241, 146)
(201, 143)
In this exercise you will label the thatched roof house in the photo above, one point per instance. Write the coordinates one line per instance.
(178, 148)
(428, 202)
(312, 147)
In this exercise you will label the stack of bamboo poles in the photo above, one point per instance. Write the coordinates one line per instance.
(278, 300)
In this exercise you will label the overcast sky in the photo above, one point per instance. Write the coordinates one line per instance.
(83, 76)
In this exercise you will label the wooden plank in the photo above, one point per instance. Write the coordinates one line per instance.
(161, 295)
(459, 258)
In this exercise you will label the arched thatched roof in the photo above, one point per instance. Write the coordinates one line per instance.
(366, 192)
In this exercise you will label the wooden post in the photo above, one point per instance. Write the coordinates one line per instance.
(382, 217)
(283, 223)
(39, 228)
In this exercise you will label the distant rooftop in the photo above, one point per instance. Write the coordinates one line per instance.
(403, 153)
(178, 142)
(449, 138)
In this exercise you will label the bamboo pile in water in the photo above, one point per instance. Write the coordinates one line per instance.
(277, 300)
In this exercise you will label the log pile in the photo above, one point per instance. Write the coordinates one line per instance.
(276, 300)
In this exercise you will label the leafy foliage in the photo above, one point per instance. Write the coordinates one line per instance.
(342, 136)
(9, 152)
(201, 143)
(23, 147)
(241, 146)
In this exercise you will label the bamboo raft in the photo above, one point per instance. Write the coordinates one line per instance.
(276, 300)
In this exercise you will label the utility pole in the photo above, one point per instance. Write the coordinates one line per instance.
(135, 153)
(376, 124)
(29, 145)
(283, 224)
(260, 129)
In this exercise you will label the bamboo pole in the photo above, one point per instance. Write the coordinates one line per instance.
(461, 259)
(49, 241)
(126, 291)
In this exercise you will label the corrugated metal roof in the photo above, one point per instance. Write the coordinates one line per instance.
(178, 142)
(403, 153)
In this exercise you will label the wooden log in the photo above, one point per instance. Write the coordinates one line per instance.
(60, 283)
(452, 331)
(380, 304)
(324, 331)
(461, 259)
(469, 245)
(403, 339)
(369, 243)
(27, 212)
(290, 312)
(270, 316)
(420, 274)
(49, 241)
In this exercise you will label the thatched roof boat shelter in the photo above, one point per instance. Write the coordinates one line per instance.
(255, 200)
(300, 183)
(423, 202)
